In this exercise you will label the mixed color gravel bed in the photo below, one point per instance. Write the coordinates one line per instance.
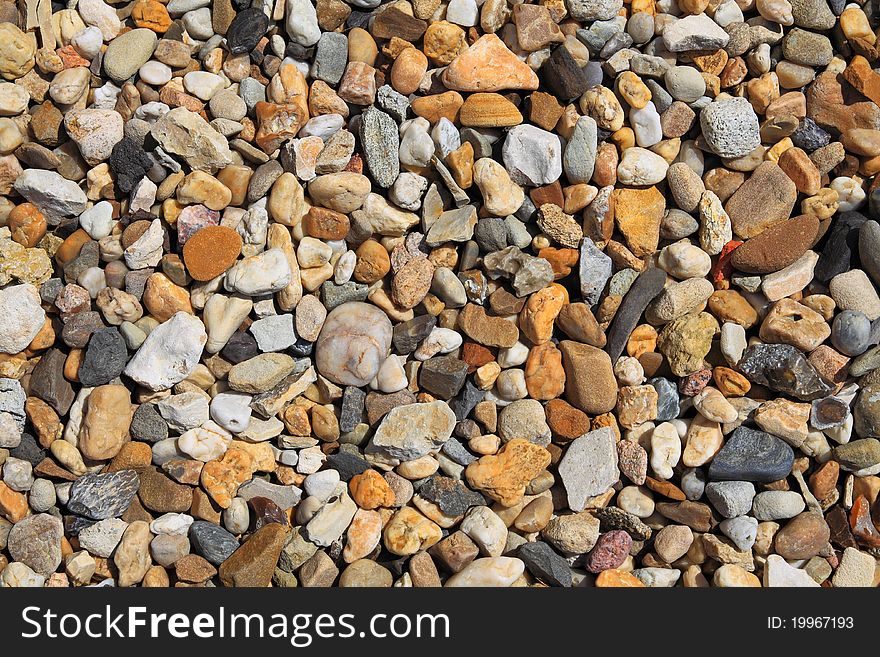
(417, 293)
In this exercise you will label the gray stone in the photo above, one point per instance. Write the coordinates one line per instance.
(380, 144)
(730, 126)
(731, 498)
(594, 270)
(589, 467)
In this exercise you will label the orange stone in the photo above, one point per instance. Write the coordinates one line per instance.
(615, 578)
(433, 108)
(638, 213)
(370, 490)
(277, 123)
(325, 224)
(565, 421)
(211, 251)
(545, 377)
(151, 15)
(222, 477)
(13, 505)
(488, 65)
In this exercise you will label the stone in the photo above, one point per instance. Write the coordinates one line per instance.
(254, 562)
(729, 126)
(101, 496)
(353, 342)
(589, 467)
(23, 317)
(750, 455)
(412, 431)
(170, 352)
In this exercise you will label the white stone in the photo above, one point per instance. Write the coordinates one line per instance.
(102, 538)
(87, 42)
(462, 12)
(157, 73)
(146, 251)
(332, 519)
(274, 333)
(232, 411)
(143, 195)
(589, 467)
(733, 342)
(439, 341)
(488, 571)
(173, 524)
(98, 221)
(95, 131)
(779, 573)
(223, 315)
(639, 166)
(265, 273)
(310, 460)
(684, 260)
(205, 443)
(532, 156)
(302, 23)
(169, 354)
(321, 485)
(100, 15)
(237, 516)
(184, 411)
(202, 84)
(646, 124)
(21, 317)
(445, 136)
(53, 195)
(665, 450)
(483, 526)
(391, 376)
(416, 145)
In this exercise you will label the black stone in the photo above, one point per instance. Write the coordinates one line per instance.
(148, 425)
(467, 399)
(302, 347)
(105, 358)
(241, 5)
(545, 563)
(752, 455)
(407, 335)
(240, 347)
(358, 19)
(841, 249)
(347, 465)
(211, 541)
(352, 412)
(643, 290)
(457, 452)
(562, 75)
(443, 376)
(28, 450)
(129, 163)
(101, 496)
(48, 382)
(451, 496)
(783, 368)
(246, 30)
(809, 136)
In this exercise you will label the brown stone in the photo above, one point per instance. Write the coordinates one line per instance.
(803, 537)
(590, 382)
(777, 247)
(211, 251)
(488, 110)
(764, 200)
(565, 421)
(373, 262)
(487, 330)
(253, 564)
(325, 224)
